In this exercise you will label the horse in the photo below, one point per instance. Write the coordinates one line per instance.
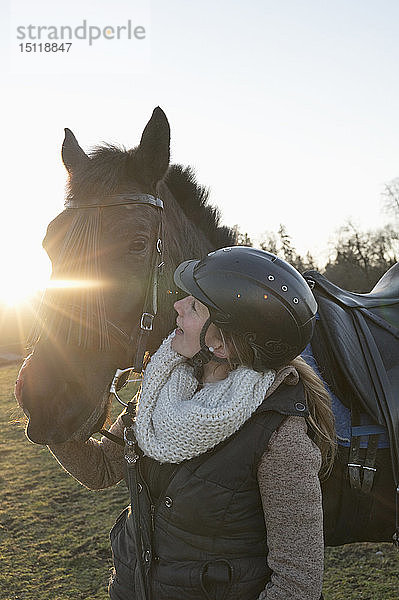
(130, 218)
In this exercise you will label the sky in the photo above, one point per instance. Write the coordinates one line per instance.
(287, 110)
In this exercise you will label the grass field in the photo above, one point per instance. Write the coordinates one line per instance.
(54, 533)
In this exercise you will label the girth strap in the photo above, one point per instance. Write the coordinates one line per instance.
(361, 475)
(369, 469)
(395, 537)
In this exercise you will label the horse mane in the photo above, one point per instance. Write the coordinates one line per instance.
(193, 199)
(108, 173)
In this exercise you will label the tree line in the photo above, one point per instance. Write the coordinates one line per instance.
(357, 259)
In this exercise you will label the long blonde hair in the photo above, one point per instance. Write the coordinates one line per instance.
(321, 420)
(321, 417)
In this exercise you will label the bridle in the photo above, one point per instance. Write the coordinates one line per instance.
(135, 342)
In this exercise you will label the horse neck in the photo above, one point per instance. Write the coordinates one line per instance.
(182, 240)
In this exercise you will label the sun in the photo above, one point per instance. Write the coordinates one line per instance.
(15, 292)
(22, 279)
(14, 298)
(18, 292)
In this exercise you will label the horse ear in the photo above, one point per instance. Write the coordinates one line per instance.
(72, 154)
(153, 154)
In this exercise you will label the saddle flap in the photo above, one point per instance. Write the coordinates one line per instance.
(384, 293)
(366, 350)
(340, 333)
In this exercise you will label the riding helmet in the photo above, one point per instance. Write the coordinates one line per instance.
(255, 293)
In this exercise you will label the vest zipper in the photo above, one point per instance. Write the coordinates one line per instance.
(154, 506)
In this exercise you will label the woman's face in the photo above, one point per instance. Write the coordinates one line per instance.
(191, 317)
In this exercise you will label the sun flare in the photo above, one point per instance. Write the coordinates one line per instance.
(71, 283)
(16, 290)
(19, 292)
(23, 279)
(14, 297)
(26, 275)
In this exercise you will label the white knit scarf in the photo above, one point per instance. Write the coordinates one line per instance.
(175, 422)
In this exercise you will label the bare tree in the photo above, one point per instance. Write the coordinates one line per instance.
(282, 245)
(269, 242)
(286, 246)
(391, 198)
(360, 258)
(243, 239)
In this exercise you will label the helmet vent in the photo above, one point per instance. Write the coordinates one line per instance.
(271, 278)
(295, 301)
(284, 288)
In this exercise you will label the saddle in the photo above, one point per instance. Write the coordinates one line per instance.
(359, 338)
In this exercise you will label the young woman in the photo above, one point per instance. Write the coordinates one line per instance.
(232, 429)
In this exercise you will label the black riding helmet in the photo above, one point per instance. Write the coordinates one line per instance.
(255, 293)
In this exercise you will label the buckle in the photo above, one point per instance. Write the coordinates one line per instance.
(146, 321)
(202, 357)
(311, 283)
(131, 455)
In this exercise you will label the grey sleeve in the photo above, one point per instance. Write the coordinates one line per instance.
(95, 464)
(292, 503)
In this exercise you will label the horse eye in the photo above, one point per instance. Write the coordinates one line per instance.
(138, 245)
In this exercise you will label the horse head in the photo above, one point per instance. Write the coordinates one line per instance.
(102, 248)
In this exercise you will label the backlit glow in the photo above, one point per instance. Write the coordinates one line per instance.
(72, 283)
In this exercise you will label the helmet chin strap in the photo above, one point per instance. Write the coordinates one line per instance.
(204, 355)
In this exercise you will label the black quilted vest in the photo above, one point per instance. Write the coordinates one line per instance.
(204, 538)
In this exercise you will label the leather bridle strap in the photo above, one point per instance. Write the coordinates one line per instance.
(150, 306)
(149, 309)
(120, 200)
